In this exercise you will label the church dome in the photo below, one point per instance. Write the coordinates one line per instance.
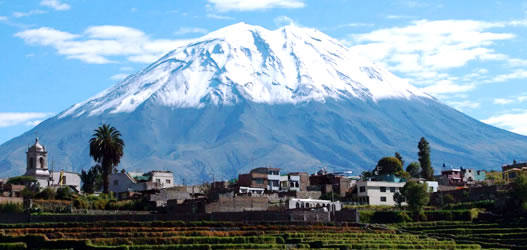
(37, 147)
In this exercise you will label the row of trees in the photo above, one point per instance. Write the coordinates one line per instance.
(394, 165)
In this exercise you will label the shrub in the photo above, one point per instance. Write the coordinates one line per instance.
(11, 208)
(365, 215)
(64, 193)
(46, 194)
(389, 217)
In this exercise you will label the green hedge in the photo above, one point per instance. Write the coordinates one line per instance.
(13, 246)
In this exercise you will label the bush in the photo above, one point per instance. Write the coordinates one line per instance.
(46, 194)
(390, 217)
(64, 193)
(11, 208)
(365, 215)
(13, 245)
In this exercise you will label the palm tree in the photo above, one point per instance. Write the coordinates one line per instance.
(106, 148)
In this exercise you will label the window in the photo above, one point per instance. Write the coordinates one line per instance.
(392, 189)
(431, 189)
(158, 180)
(383, 189)
(167, 181)
(383, 198)
(116, 182)
(362, 189)
(259, 181)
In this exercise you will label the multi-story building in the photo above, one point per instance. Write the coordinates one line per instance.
(329, 182)
(267, 178)
(377, 192)
(451, 177)
(510, 172)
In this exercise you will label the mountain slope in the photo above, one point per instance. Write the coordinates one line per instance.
(243, 97)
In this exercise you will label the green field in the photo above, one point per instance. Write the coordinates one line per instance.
(512, 235)
(212, 235)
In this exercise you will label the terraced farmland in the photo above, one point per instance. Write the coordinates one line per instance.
(488, 235)
(213, 235)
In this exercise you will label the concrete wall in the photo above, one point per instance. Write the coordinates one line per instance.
(238, 204)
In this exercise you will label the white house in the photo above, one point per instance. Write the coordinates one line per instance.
(295, 203)
(136, 182)
(378, 192)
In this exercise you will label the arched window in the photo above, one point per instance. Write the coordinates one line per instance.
(297, 205)
(31, 163)
(41, 160)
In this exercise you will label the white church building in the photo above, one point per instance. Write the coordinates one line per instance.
(37, 166)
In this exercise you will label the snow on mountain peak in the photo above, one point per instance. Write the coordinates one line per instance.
(241, 61)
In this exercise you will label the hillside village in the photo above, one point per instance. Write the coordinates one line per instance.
(263, 189)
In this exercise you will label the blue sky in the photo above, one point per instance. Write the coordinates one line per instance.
(55, 53)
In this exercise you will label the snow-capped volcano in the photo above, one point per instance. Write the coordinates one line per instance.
(244, 97)
(241, 61)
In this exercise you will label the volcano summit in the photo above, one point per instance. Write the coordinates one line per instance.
(244, 96)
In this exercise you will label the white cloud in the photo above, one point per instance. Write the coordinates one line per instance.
(190, 30)
(8, 119)
(463, 105)
(97, 44)
(517, 74)
(446, 87)
(248, 5)
(283, 21)
(18, 14)
(219, 17)
(430, 45)
(515, 122)
(502, 101)
(3, 18)
(119, 77)
(55, 4)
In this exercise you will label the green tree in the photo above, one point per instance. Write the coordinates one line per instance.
(427, 171)
(519, 192)
(399, 199)
(399, 157)
(46, 194)
(22, 180)
(416, 196)
(366, 174)
(92, 179)
(414, 169)
(64, 193)
(106, 148)
(389, 165)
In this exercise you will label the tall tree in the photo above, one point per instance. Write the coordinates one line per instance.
(414, 169)
(427, 171)
(400, 157)
(106, 148)
(92, 179)
(389, 165)
(416, 196)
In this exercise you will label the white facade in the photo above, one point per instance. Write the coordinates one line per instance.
(123, 182)
(68, 179)
(432, 186)
(378, 192)
(37, 166)
(273, 180)
(250, 190)
(294, 203)
(294, 182)
(37, 163)
(164, 179)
